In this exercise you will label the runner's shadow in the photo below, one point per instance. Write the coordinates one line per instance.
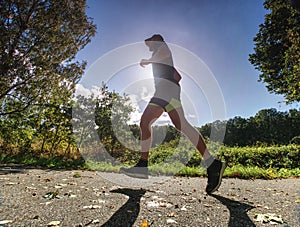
(128, 213)
(238, 212)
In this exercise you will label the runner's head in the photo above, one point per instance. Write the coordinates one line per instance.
(154, 42)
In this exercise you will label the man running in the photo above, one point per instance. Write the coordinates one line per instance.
(167, 99)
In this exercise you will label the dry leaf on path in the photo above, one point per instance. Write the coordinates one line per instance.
(92, 207)
(53, 224)
(171, 221)
(5, 222)
(269, 218)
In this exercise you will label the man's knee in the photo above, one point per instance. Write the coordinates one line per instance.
(144, 123)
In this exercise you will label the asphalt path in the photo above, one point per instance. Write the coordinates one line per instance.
(47, 197)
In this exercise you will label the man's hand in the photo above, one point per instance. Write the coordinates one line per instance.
(144, 62)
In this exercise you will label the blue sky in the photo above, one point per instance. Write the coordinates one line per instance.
(219, 32)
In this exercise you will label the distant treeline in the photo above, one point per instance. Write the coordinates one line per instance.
(267, 127)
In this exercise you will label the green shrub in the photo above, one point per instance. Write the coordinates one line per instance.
(264, 157)
(296, 140)
(277, 157)
(174, 151)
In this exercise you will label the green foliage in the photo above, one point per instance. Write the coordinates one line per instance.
(74, 162)
(255, 172)
(192, 172)
(102, 130)
(296, 140)
(243, 162)
(264, 157)
(46, 133)
(175, 151)
(39, 41)
(112, 113)
(101, 166)
(277, 49)
(268, 126)
(167, 168)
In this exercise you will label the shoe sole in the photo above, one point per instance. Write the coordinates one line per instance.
(134, 175)
(220, 179)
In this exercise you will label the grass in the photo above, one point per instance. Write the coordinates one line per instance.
(101, 166)
(254, 172)
(171, 169)
(49, 162)
(177, 169)
(244, 163)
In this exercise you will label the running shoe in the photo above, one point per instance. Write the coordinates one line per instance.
(136, 171)
(214, 173)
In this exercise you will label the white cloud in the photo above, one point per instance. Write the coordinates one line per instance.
(138, 101)
(81, 90)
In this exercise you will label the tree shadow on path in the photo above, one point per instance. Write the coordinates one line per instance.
(12, 168)
(238, 212)
(128, 213)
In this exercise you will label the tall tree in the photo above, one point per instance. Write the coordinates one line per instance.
(277, 49)
(101, 125)
(38, 44)
(112, 113)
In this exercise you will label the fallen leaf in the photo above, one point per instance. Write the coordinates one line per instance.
(96, 221)
(183, 208)
(48, 179)
(52, 195)
(260, 218)
(171, 221)
(92, 207)
(92, 222)
(53, 224)
(162, 204)
(76, 175)
(297, 201)
(5, 222)
(70, 195)
(156, 204)
(4, 178)
(144, 223)
(269, 218)
(276, 219)
(171, 215)
(30, 188)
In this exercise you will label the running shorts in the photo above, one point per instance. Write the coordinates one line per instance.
(167, 95)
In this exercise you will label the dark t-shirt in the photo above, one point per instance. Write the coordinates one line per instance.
(164, 69)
